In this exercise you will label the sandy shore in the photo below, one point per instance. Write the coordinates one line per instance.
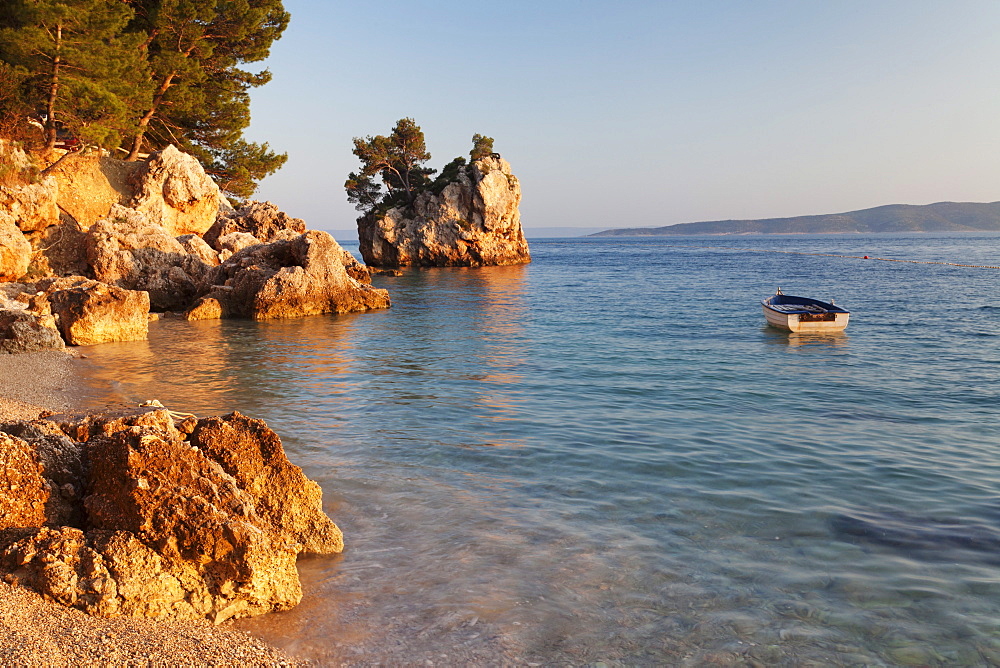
(36, 633)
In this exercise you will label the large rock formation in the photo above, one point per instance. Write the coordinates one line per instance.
(474, 221)
(135, 516)
(174, 191)
(170, 187)
(137, 229)
(129, 251)
(288, 278)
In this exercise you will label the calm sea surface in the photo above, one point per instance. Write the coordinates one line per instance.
(606, 456)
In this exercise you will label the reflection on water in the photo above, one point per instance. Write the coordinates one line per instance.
(775, 336)
(667, 482)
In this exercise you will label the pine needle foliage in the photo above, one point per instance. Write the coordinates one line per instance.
(392, 170)
(138, 75)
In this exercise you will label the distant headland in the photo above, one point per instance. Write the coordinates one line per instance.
(939, 217)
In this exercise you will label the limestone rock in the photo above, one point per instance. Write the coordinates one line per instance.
(90, 184)
(12, 295)
(263, 220)
(23, 488)
(174, 191)
(25, 332)
(83, 427)
(251, 452)
(285, 279)
(29, 199)
(89, 312)
(356, 270)
(58, 563)
(128, 251)
(196, 246)
(233, 242)
(61, 465)
(474, 221)
(15, 251)
(182, 504)
(32, 206)
(59, 250)
(164, 527)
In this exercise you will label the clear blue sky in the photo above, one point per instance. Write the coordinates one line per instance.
(647, 113)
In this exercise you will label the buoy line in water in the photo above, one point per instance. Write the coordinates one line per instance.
(849, 257)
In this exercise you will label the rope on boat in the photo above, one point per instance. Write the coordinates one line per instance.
(849, 257)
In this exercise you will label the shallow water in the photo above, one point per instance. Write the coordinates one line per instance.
(605, 456)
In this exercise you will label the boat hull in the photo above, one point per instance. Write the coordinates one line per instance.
(794, 322)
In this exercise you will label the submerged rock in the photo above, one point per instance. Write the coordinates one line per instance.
(168, 524)
(474, 221)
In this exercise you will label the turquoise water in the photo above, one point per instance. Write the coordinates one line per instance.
(606, 456)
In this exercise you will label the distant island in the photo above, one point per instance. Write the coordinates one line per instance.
(939, 217)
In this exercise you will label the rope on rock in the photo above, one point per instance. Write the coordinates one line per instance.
(155, 403)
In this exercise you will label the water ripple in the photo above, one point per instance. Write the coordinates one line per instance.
(604, 456)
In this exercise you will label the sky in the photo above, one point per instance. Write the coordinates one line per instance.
(635, 113)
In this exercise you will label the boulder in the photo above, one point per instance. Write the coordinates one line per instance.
(29, 199)
(59, 250)
(233, 242)
(251, 452)
(263, 220)
(473, 221)
(90, 183)
(24, 332)
(89, 312)
(15, 251)
(174, 191)
(285, 279)
(129, 251)
(196, 246)
(26, 321)
(167, 527)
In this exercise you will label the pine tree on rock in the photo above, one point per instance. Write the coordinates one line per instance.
(397, 160)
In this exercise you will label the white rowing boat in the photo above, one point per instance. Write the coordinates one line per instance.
(804, 314)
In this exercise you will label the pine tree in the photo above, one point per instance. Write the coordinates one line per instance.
(82, 73)
(200, 98)
(396, 162)
(397, 159)
(482, 147)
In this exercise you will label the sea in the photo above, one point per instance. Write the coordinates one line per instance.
(606, 458)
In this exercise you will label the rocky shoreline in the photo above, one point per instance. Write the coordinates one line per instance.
(116, 517)
(35, 632)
